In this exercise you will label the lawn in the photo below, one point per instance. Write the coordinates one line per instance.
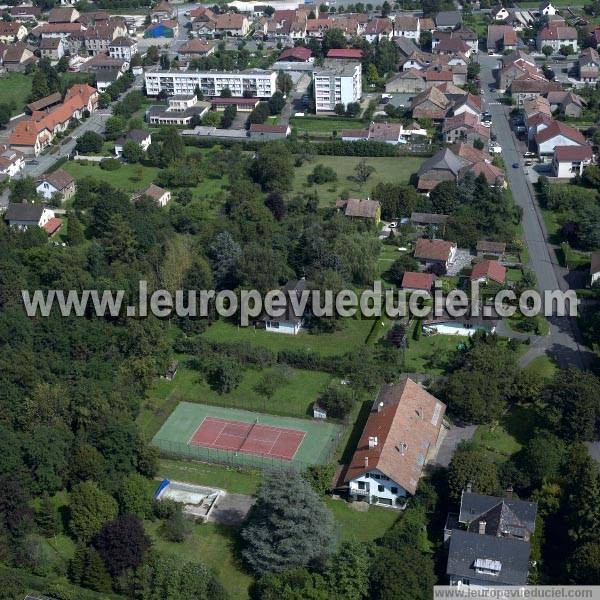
(236, 481)
(325, 125)
(293, 397)
(132, 178)
(543, 366)
(430, 354)
(362, 526)
(126, 178)
(353, 334)
(387, 169)
(15, 88)
(214, 545)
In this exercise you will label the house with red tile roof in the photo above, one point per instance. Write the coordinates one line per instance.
(414, 281)
(432, 253)
(501, 38)
(348, 53)
(488, 270)
(494, 176)
(569, 161)
(557, 134)
(464, 127)
(298, 54)
(557, 34)
(402, 434)
(12, 31)
(32, 135)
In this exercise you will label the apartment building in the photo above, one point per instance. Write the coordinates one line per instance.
(259, 83)
(337, 82)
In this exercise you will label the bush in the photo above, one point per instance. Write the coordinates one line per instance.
(110, 164)
(321, 174)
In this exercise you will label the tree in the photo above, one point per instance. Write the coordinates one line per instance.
(5, 113)
(363, 171)
(162, 577)
(584, 564)
(405, 262)
(89, 143)
(276, 103)
(397, 200)
(284, 83)
(176, 528)
(333, 38)
(444, 197)
(274, 202)
(90, 509)
(132, 152)
(547, 51)
(172, 145)
(573, 405)
(94, 573)
(122, 543)
(321, 174)
(478, 144)
(259, 114)
(542, 456)
(470, 466)
(75, 235)
(273, 168)
(320, 477)
(402, 576)
(47, 517)
(133, 497)
(225, 93)
(228, 116)
(386, 8)
(165, 63)
(288, 526)
(337, 400)
(114, 127)
(23, 189)
(226, 375)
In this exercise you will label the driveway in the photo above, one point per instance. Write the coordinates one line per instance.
(462, 260)
(565, 339)
(454, 436)
(231, 509)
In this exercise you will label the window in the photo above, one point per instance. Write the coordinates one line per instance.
(380, 488)
(367, 475)
(394, 490)
(361, 485)
(385, 478)
(375, 476)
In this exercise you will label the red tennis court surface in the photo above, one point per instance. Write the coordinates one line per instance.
(250, 438)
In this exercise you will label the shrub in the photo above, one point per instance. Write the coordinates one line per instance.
(110, 164)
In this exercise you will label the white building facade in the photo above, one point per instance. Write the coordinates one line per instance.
(261, 84)
(337, 82)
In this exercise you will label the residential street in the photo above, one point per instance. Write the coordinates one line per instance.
(563, 342)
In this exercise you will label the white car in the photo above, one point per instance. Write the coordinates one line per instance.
(486, 123)
(393, 225)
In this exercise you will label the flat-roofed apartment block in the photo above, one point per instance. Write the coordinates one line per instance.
(337, 82)
(258, 82)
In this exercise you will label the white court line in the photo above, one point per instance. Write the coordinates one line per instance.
(204, 445)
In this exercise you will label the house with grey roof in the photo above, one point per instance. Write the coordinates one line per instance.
(140, 137)
(444, 165)
(490, 540)
(448, 19)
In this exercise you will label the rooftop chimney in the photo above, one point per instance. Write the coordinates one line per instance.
(469, 487)
(366, 461)
(509, 491)
(380, 407)
(482, 525)
(373, 441)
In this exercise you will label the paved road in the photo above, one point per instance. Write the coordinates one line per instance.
(564, 340)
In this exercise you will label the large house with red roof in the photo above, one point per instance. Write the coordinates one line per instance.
(32, 135)
(402, 434)
(557, 134)
(435, 253)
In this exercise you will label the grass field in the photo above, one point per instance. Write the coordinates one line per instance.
(292, 397)
(15, 88)
(235, 481)
(132, 178)
(387, 169)
(325, 125)
(353, 333)
(215, 546)
(317, 446)
(430, 354)
(126, 178)
(361, 526)
(543, 366)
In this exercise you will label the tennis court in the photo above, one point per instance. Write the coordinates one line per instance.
(252, 438)
(238, 437)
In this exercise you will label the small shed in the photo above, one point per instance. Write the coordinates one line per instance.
(171, 370)
(319, 411)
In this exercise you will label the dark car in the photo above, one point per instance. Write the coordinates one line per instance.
(515, 165)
